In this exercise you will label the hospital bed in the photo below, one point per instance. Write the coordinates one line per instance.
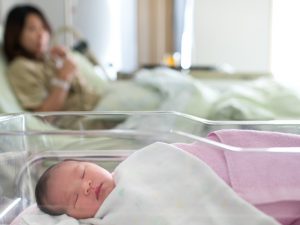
(29, 143)
(164, 89)
(207, 94)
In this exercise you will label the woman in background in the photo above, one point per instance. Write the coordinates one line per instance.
(43, 78)
(46, 79)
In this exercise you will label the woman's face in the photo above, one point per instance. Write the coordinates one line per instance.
(35, 36)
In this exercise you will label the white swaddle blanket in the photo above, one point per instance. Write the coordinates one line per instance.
(162, 184)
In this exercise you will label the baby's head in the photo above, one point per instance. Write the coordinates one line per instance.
(75, 188)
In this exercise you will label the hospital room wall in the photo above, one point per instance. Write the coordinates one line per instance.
(54, 7)
(110, 26)
(236, 32)
(5, 5)
(223, 33)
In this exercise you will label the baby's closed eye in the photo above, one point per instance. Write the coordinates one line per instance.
(83, 173)
(76, 199)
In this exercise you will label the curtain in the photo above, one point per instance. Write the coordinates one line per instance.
(155, 31)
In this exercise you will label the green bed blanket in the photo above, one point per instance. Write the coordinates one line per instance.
(163, 89)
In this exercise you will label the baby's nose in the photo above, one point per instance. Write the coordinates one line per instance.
(87, 187)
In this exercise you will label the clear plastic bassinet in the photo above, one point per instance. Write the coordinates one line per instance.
(29, 143)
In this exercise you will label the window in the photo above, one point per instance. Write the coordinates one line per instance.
(285, 44)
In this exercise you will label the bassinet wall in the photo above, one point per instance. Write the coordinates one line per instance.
(27, 149)
(32, 139)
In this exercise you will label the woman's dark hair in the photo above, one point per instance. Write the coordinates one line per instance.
(14, 26)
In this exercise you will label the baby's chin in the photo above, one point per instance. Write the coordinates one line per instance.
(110, 189)
(87, 215)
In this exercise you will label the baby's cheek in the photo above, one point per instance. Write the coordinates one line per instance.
(89, 205)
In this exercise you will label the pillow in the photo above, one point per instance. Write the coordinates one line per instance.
(95, 76)
(33, 209)
(126, 95)
(34, 216)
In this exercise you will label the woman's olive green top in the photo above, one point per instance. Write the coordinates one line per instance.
(31, 83)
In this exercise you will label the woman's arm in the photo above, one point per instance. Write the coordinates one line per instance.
(60, 90)
(55, 101)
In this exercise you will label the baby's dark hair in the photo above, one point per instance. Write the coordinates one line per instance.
(41, 190)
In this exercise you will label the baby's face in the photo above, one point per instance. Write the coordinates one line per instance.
(79, 188)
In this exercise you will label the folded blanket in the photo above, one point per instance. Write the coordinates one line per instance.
(267, 174)
(269, 181)
(162, 184)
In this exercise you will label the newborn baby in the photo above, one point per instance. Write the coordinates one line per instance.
(79, 189)
(75, 188)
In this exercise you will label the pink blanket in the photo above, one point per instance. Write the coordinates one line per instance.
(270, 181)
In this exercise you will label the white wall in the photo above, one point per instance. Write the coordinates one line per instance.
(5, 5)
(236, 32)
(128, 25)
(285, 41)
(110, 28)
(54, 11)
(179, 6)
(91, 18)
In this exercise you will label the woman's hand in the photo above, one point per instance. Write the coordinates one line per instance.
(68, 70)
(58, 52)
(66, 66)
(57, 97)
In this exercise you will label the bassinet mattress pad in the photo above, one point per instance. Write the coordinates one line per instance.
(162, 184)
